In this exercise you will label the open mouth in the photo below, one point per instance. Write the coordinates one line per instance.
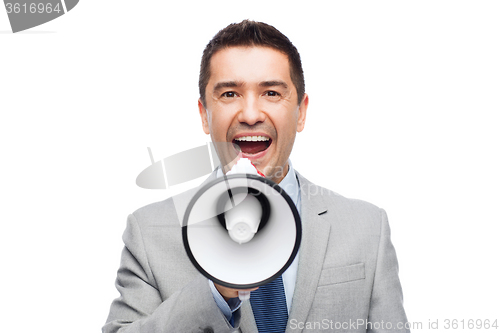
(252, 144)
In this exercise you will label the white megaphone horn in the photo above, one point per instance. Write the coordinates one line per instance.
(241, 231)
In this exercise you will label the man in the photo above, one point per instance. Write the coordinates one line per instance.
(345, 277)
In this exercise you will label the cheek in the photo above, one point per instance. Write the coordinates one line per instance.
(287, 128)
(286, 141)
(219, 126)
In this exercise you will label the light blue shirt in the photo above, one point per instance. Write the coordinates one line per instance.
(291, 186)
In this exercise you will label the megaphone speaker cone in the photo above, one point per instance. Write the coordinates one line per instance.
(241, 231)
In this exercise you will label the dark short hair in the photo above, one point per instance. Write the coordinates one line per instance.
(251, 33)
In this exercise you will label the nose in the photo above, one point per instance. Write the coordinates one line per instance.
(250, 112)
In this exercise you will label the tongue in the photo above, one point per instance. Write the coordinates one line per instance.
(252, 147)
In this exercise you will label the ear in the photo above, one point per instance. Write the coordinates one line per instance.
(204, 117)
(301, 120)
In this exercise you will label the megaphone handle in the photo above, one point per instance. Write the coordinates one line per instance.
(244, 295)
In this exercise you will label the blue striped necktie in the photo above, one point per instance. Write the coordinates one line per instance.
(269, 307)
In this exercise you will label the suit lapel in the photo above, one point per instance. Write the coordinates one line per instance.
(315, 234)
(247, 319)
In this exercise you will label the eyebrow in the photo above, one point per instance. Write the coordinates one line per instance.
(274, 83)
(227, 84)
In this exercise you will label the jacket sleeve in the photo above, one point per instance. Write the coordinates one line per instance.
(386, 305)
(140, 307)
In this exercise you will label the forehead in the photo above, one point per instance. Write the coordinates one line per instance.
(249, 64)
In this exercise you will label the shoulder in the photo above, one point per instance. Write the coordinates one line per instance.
(310, 189)
(326, 200)
(167, 212)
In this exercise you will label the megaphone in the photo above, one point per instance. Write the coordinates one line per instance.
(241, 231)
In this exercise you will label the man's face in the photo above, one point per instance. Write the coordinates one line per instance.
(252, 102)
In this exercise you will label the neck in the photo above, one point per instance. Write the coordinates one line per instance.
(279, 173)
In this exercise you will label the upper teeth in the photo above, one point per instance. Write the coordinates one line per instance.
(253, 138)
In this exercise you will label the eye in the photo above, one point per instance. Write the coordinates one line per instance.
(272, 93)
(229, 94)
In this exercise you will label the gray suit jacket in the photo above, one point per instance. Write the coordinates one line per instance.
(347, 278)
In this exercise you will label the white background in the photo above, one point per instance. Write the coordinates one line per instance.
(404, 104)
